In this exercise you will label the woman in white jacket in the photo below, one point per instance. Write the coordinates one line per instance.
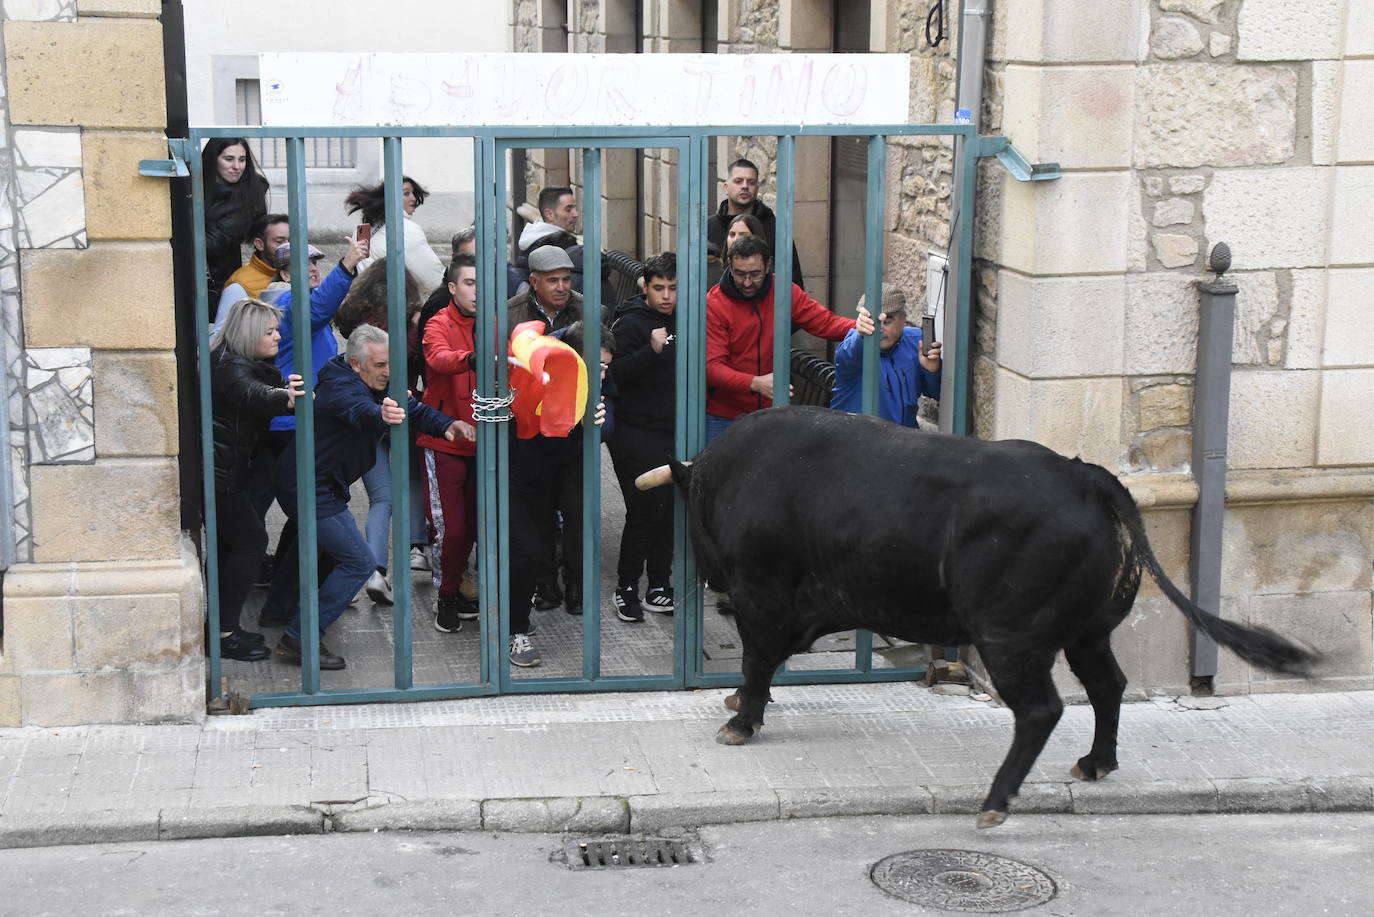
(420, 258)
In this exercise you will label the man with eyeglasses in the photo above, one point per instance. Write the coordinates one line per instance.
(739, 333)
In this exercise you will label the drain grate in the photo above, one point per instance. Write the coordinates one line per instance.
(963, 880)
(631, 851)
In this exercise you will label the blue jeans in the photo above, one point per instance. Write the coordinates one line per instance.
(716, 426)
(342, 547)
(378, 483)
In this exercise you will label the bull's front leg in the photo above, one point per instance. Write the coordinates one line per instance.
(751, 697)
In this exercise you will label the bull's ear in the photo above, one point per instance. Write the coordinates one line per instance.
(682, 472)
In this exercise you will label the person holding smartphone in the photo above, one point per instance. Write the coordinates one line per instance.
(909, 365)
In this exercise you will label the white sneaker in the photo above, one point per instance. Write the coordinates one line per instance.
(379, 589)
(419, 559)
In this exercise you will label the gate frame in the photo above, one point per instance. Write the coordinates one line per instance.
(693, 186)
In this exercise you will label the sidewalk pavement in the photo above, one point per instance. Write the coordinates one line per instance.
(616, 763)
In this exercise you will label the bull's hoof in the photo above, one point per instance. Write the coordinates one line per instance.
(1090, 774)
(990, 819)
(732, 702)
(728, 735)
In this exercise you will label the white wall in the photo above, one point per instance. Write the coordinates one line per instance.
(224, 39)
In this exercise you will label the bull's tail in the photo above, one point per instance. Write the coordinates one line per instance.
(1255, 644)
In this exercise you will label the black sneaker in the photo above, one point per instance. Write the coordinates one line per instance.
(626, 604)
(446, 617)
(572, 599)
(546, 597)
(234, 647)
(660, 599)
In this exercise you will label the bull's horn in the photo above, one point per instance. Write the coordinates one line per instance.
(656, 477)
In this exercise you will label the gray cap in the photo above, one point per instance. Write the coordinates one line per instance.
(549, 258)
(282, 256)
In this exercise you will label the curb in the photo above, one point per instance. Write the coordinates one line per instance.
(649, 813)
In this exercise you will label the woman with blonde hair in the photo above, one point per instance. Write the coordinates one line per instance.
(246, 392)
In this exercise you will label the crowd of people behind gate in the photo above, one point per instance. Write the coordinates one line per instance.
(254, 390)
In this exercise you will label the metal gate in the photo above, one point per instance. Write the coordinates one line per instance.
(492, 674)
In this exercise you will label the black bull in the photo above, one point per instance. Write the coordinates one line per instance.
(818, 522)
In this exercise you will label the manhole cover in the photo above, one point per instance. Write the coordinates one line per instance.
(631, 851)
(962, 880)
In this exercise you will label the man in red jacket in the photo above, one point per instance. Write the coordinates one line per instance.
(451, 466)
(739, 333)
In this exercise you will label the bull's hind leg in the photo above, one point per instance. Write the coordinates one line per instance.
(1095, 666)
(1027, 688)
(762, 654)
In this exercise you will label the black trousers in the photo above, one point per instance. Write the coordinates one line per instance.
(647, 540)
(538, 469)
(242, 542)
(264, 487)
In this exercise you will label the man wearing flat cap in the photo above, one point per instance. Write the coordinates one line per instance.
(550, 297)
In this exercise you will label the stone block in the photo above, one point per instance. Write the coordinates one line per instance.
(1168, 405)
(1336, 624)
(587, 815)
(119, 631)
(115, 509)
(829, 802)
(1260, 794)
(1359, 30)
(1325, 123)
(1347, 341)
(1075, 417)
(689, 809)
(135, 404)
(1065, 31)
(120, 203)
(1291, 548)
(38, 635)
(1202, 10)
(1187, 184)
(1238, 208)
(1174, 211)
(1345, 436)
(1257, 311)
(1174, 250)
(1192, 114)
(1079, 117)
(111, 296)
(1061, 326)
(160, 695)
(1162, 450)
(1307, 319)
(240, 821)
(10, 710)
(49, 69)
(1079, 224)
(55, 148)
(1161, 325)
(1278, 30)
(1273, 419)
(427, 815)
(1218, 43)
(133, 9)
(1152, 645)
(1175, 37)
(1352, 219)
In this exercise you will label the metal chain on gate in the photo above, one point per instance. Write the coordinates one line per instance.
(491, 410)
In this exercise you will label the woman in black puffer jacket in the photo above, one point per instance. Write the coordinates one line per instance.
(235, 196)
(246, 392)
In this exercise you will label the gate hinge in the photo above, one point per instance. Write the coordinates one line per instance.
(1017, 164)
(175, 167)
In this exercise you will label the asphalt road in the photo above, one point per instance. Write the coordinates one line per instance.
(1127, 865)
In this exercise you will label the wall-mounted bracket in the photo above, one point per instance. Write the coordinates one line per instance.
(175, 167)
(1017, 164)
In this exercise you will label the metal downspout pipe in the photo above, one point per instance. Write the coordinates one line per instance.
(968, 99)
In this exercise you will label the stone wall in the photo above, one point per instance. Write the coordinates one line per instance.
(1180, 124)
(103, 613)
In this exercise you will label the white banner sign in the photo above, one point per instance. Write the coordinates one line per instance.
(358, 90)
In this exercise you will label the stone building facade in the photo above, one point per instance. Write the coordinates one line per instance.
(103, 606)
(1178, 124)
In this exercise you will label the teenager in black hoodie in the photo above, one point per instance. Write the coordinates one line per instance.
(644, 374)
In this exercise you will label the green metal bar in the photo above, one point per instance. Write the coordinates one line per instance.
(207, 439)
(782, 274)
(499, 577)
(873, 267)
(691, 272)
(400, 434)
(488, 434)
(367, 696)
(574, 136)
(591, 434)
(691, 398)
(306, 520)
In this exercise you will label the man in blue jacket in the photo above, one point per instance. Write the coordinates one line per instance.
(351, 415)
(906, 373)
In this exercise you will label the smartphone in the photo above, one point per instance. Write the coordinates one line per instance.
(927, 333)
(364, 232)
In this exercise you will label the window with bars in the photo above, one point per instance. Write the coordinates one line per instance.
(320, 152)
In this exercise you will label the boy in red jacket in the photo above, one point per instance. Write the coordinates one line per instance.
(451, 466)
